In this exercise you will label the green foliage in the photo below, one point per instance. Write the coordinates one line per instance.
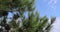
(20, 5)
(33, 23)
(23, 5)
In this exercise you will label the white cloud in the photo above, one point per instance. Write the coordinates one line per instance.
(56, 26)
(52, 3)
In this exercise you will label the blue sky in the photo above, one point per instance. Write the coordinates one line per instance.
(48, 7)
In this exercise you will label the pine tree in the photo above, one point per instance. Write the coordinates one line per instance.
(33, 23)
